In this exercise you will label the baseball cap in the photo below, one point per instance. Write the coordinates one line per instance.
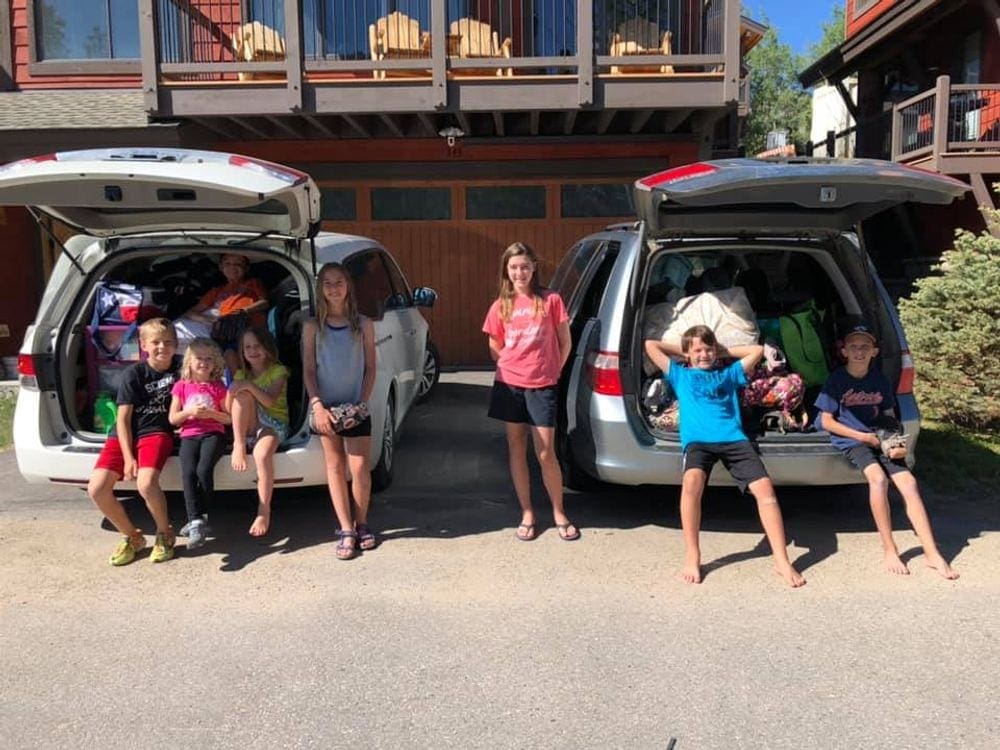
(859, 327)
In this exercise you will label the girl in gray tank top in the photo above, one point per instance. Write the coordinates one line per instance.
(338, 358)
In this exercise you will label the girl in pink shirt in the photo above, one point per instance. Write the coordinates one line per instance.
(198, 409)
(529, 339)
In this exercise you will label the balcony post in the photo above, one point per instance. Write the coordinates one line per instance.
(439, 51)
(585, 52)
(293, 54)
(896, 139)
(731, 50)
(942, 106)
(150, 56)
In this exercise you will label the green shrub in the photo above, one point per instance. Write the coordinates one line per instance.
(952, 321)
(8, 397)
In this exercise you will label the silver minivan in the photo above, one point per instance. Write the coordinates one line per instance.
(159, 220)
(791, 225)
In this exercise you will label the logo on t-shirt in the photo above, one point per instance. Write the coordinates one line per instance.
(853, 398)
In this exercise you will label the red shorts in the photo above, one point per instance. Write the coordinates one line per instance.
(152, 452)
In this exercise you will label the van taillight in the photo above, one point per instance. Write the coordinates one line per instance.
(285, 174)
(907, 374)
(26, 370)
(677, 174)
(603, 373)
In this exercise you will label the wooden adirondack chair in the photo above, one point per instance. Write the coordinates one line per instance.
(478, 40)
(255, 42)
(639, 37)
(397, 36)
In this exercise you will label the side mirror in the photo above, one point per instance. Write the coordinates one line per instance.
(424, 296)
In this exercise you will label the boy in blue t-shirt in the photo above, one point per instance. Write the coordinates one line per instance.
(854, 398)
(711, 430)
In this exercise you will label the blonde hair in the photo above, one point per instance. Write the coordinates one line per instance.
(323, 309)
(155, 326)
(506, 294)
(203, 345)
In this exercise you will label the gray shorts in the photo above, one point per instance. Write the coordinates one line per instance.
(863, 456)
(266, 425)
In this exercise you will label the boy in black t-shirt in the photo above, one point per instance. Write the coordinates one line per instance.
(854, 398)
(140, 443)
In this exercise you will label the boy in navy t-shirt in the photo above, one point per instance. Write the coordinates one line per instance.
(853, 400)
(711, 430)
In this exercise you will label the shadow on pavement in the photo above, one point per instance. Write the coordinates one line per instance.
(451, 480)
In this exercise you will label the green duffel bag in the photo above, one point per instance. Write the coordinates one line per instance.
(802, 342)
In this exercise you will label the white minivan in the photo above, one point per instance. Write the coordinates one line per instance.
(159, 220)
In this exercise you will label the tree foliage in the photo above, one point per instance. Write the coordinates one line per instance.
(777, 99)
(953, 328)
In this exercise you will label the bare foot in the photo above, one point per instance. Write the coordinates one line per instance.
(943, 569)
(260, 524)
(239, 459)
(792, 577)
(691, 570)
(894, 564)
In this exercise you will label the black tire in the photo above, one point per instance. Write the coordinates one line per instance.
(382, 473)
(430, 374)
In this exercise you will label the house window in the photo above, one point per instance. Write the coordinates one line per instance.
(402, 204)
(506, 202)
(338, 204)
(86, 30)
(580, 201)
(863, 6)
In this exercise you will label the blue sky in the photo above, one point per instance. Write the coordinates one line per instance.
(797, 21)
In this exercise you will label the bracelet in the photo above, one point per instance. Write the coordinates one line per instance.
(315, 400)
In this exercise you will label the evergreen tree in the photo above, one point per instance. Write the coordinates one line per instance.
(953, 328)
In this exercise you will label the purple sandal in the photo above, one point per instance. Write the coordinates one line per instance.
(346, 550)
(366, 537)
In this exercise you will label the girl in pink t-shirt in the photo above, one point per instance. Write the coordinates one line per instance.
(198, 409)
(529, 339)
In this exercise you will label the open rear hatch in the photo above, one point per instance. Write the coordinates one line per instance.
(753, 197)
(115, 192)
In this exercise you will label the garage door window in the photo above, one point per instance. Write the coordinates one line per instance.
(507, 202)
(411, 204)
(580, 201)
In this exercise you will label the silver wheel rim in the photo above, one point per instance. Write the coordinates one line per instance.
(427, 376)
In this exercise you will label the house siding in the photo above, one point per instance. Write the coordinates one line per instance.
(868, 16)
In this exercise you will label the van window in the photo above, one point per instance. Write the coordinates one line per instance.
(401, 291)
(372, 288)
(571, 269)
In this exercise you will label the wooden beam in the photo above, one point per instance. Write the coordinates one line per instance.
(604, 120)
(533, 122)
(427, 123)
(318, 124)
(570, 121)
(639, 120)
(213, 125)
(278, 123)
(498, 123)
(243, 123)
(463, 123)
(356, 126)
(391, 124)
(673, 118)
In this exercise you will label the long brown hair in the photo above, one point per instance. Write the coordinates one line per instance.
(506, 294)
(323, 309)
(266, 340)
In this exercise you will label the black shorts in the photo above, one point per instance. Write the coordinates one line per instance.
(863, 456)
(534, 406)
(361, 429)
(739, 458)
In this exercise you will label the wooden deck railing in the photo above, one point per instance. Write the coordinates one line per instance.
(948, 119)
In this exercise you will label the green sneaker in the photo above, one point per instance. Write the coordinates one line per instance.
(125, 551)
(162, 549)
